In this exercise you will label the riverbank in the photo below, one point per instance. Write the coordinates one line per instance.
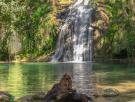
(40, 97)
(47, 58)
(43, 58)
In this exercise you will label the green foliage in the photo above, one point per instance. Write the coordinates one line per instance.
(121, 30)
(32, 23)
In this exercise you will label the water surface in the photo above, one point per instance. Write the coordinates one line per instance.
(24, 79)
(118, 76)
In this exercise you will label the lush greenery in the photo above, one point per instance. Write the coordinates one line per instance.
(28, 24)
(29, 28)
(119, 17)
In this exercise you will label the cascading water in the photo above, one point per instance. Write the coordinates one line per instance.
(75, 39)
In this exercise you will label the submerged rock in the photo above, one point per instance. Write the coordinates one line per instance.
(110, 92)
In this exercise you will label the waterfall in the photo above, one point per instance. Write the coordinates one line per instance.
(75, 39)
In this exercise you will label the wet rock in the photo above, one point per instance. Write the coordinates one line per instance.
(63, 12)
(6, 97)
(110, 92)
(28, 98)
(39, 96)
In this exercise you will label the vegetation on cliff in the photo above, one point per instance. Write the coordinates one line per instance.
(117, 17)
(29, 28)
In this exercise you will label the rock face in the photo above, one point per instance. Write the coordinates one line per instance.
(6, 97)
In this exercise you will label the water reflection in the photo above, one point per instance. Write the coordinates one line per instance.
(24, 79)
(83, 78)
(3, 76)
(15, 79)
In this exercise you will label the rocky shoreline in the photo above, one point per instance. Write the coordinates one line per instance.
(103, 95)
(40, 96)
(47, 59)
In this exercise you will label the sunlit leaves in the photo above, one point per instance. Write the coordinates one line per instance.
(120, 34)
(31, 21)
